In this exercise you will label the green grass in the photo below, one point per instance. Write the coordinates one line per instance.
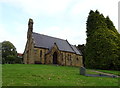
(50, 75)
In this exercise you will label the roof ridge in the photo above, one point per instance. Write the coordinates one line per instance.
(49, 36)
(70, 46)
(76, 49)
(46, 41)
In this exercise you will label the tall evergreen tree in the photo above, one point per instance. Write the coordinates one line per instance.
(110, 24)
(102, 46)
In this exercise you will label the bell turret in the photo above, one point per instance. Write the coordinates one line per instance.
(30, 28)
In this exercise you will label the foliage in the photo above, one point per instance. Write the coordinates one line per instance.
(9, 53)
(82, 49)
(50, 75)
(103, 43)
(19, 60)
(10, 59)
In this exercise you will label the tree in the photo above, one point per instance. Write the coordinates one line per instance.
(95, 21)
(9, 53)
(110, 25)
(103, 43)
(82, 49)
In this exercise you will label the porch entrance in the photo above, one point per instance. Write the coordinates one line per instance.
(55, 58)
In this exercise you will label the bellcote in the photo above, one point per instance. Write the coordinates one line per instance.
(30, 24)
(30, 28)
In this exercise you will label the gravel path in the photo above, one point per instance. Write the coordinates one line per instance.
(105, 74)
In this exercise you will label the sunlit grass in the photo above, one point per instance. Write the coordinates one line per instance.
(50, 75)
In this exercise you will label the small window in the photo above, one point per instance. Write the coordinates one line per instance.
(27, 51)
(77, 59)
(40, 53)
(35, 51)
(70, 56)
(62, 56)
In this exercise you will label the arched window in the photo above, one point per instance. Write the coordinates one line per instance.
(40, 53)
(77, 59)
(68, 57)
(55, 58)
(62, 56)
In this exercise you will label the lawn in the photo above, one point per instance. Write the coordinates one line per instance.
(50, 75)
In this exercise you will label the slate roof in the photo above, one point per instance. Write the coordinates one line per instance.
(76, 50)
(44, 41)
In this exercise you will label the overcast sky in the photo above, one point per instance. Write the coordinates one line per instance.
(64, 19)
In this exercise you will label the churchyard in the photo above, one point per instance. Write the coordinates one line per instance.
(52, 75)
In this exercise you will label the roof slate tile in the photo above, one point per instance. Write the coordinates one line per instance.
(45, 41)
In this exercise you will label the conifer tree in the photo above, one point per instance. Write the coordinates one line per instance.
(103, 43)
(110, 25)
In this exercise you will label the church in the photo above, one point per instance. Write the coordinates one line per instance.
(44, 49)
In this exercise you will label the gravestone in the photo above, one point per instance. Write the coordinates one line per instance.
(82, 71)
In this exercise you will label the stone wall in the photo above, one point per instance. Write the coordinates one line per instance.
(39, 55)
(49, 55)
(29, 52)
(63, 58)
(71, 59)
(45, 56)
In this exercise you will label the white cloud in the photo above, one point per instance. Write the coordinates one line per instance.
(80, 7)
(18, 37)
(76, 12)
(37, 7)
(107, 7)
(74, 36)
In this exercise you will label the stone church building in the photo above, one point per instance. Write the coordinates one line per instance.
(43, 49)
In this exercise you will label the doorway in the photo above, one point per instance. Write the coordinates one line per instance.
(55, 58)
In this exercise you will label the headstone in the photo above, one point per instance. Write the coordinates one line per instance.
(82, 71)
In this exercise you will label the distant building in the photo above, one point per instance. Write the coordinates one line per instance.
(20, 58)
(20, 55)
(43, 49)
